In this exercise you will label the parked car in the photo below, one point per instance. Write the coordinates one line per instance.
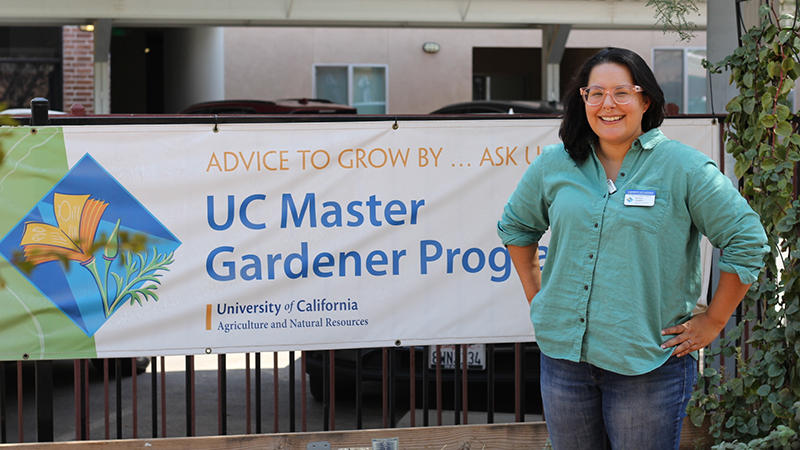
(26, 112)
(142, 362)
(501, 107)
(285, 106)
(372, 371)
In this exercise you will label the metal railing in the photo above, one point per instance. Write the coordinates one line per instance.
(37, 398)
(109, 403)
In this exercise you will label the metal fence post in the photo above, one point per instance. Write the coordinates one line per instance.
(44, 401)
(44, 369)
(40, 112)
(3, 438)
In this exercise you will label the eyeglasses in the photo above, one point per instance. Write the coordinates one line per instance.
(622, 95)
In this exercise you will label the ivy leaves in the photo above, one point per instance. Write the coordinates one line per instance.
(761, 403)
(760, 130)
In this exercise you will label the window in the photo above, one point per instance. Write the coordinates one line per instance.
(505, 73)
(361, 86)
(682, 77)
(30, 65)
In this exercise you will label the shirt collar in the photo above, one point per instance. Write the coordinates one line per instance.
(649, 140)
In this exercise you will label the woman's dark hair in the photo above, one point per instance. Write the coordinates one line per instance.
(575, 132)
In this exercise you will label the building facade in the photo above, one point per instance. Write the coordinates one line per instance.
(377, 70)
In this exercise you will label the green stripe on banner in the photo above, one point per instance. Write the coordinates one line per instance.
(32, 326)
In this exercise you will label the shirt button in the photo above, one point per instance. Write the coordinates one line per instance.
(622, 174)
(591, 256)
(586, 288)
(583, 320)
(595, 225)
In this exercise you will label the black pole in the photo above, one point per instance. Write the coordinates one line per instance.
(44, 369)
(359, 394)
(2, 402)
(489, 383)
(457, 385)
(118, 392)
(84, 407)
(426, 358)
(292, 407)
(39, 112)
(154, 394)
(258, 393)
(739, 21)
(190, 395)
(393, 387)
(44, 401)
(326, 392)
(522, 395)
(222, 386)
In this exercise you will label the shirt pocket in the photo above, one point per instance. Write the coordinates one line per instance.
(645, 218)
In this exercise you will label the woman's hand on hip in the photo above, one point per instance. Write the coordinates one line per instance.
(702, 329)
(694, 334)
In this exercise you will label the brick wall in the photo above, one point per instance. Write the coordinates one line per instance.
(78, 68)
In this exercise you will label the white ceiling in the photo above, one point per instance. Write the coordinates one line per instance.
(623, 14)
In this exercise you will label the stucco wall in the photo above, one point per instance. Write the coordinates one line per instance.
(193, 62)
(272, 63)
(642, 42)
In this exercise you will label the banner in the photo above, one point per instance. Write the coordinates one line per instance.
(264, 237)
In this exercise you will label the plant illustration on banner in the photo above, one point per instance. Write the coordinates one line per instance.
(74, 239)
(76, 243)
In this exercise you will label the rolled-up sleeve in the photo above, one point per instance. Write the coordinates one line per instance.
(525, 216)
(723, 215)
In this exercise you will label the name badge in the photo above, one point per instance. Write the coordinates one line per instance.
(639, 198)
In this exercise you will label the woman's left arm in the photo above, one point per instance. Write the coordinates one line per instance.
(703, 328)
(720, 213)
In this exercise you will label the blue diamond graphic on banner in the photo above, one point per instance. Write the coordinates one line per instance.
(72, 240)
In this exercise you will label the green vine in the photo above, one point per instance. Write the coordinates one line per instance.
(760, 405)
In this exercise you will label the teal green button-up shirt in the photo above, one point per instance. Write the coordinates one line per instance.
(616, 275)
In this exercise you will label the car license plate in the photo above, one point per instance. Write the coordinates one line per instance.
(476, 356)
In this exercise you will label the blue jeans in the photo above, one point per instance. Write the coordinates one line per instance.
(590, 408)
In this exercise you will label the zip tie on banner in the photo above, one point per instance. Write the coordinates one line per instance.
(395, 126)
(216, 128)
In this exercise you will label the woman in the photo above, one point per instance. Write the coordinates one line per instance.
(612, 308)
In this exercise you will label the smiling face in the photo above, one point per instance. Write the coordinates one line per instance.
(616, 126)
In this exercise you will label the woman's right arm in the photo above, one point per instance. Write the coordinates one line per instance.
(526, 218)
(526, 262)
